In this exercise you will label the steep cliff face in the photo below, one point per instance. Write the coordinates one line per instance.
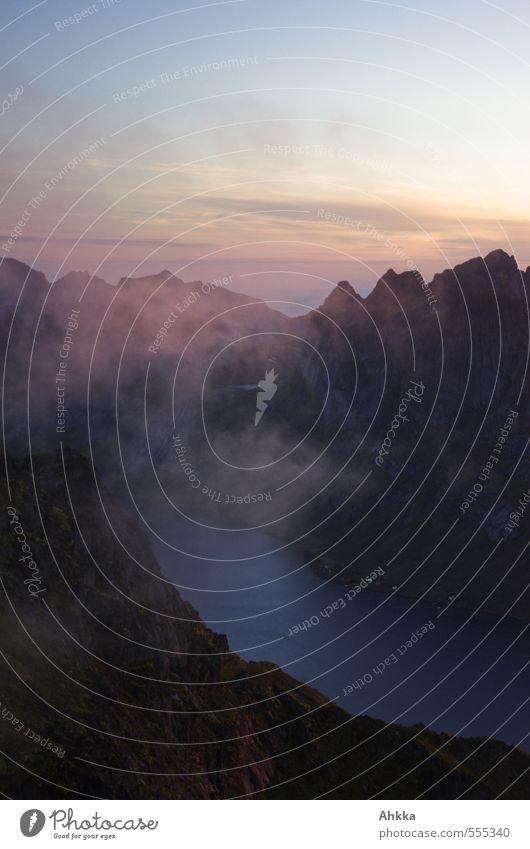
(459, 463)
(138, 699)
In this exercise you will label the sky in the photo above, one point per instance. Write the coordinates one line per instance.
(288, 145)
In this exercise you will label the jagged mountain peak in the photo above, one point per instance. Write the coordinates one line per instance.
(81, 278)
(14, 268)
(393, 284)
(151, 279)
(480, 276)
(340, 298)
(497, 261)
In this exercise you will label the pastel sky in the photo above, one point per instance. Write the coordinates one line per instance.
(288, 144)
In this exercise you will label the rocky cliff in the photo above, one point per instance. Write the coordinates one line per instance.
(113, 688)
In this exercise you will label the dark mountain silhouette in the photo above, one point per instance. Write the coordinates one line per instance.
(343, 372)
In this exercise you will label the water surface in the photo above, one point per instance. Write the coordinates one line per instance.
(461, 673)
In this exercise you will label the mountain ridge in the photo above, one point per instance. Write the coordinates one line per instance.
(496, 262)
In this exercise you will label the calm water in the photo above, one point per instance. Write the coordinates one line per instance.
(466, 677)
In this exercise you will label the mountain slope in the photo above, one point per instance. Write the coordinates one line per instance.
(106, 661)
